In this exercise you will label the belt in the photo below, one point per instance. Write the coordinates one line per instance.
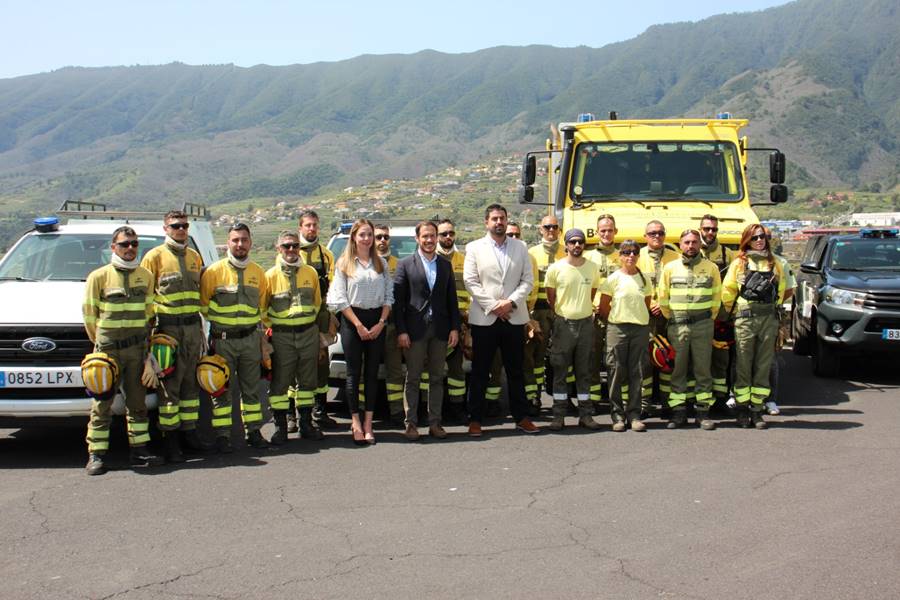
(755, 310)
(541, 305)
(690, 319)
(293, 328)
(590, 318)
(127, 342)
(176, 320)
(233, 334)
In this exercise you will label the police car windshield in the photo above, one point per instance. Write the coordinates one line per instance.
(401, 245)
(688, 171)
(63, 257)
(866, 255)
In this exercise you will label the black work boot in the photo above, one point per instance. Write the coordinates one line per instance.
(742, 414)
(320, 416)
(756, 416)
(192, 443)
(95, 465)
(702, 419)
(281, 418)
(397, 414)
(678, 418)
(256, 440)
(224, 445)
(141, 457)
(172, 448)
(291, 420)
(308, 431)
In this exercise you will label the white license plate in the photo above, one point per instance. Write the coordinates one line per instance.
(40, 379)
(890, 334)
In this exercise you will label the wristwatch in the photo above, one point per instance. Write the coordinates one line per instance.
(514, 305)
(382, 321)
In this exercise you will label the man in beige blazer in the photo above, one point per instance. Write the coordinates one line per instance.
(498, 276)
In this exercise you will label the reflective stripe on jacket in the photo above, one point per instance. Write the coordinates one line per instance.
(292, 295)
(176, 277)
(688, 291)
(117, 303)
(233, 298)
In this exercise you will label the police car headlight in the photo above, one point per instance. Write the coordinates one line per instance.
(845, 297)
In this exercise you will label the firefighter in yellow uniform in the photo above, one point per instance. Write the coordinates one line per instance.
(456, 377)
(294, 301)
(689, 295)
(395, 379)
(543, 254)
(118, 306)
(176, 268)
(754, 287)
(232, 296)
(606, 257)
(321, 259)
(653, 257)
(721, 256)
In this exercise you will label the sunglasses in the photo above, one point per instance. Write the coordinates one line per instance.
(290, 246)
(447, 234)
(710, 228)
(128, 244)
(756, 238)
(514, 235)
(627, 252)
(179, 225)
(382, 236)
(656, 233)
(578, 242)
(550, 227)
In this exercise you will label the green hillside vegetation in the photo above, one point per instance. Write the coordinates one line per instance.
(819, 79)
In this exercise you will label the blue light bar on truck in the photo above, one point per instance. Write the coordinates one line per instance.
(869, 232)
(585, 118)
(46, 224)
(346, 227)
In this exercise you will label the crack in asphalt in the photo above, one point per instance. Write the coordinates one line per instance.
(166, 582)
(774, 476)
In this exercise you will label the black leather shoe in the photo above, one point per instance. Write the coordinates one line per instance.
(223, 445)
(141, 457)
(256, 440)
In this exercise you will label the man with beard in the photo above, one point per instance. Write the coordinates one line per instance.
(232, 296)
(689, 295)
(393, 354)
(571, 284)
(176, 271)
(653, 257)
(721, 256)
(456, 377)
(547, 252)
(606, 257)
(321, 259)
(118, 304)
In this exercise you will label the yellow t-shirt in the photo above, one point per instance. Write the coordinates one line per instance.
(573, 287)
(627, 293)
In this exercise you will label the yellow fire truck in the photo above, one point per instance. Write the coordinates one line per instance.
(673, 170)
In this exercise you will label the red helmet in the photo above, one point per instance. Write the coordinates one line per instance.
(662, 354)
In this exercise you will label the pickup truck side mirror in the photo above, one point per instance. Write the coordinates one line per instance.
(811, 267)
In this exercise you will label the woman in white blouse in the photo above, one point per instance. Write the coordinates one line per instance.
(362, 292)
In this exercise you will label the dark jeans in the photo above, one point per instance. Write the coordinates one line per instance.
(355, 349)
(486, 340)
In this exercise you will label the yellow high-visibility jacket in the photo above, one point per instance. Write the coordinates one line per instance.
(543, 260)
(176, 277)
(292, 295)
(233, 298)
(686, 291)
(118, 303)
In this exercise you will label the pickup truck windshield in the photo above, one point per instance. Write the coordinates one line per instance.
(689, 171)
(401, 245)
(866, 255)
(63, 257)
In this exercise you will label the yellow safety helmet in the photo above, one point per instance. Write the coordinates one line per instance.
(213, 375)
(164, 348)
(100, 374)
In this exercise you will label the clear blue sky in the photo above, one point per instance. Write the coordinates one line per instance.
(42, 35)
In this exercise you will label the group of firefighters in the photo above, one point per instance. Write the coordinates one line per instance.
(709, 315)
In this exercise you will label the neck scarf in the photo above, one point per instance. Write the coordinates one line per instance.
(690, 262)
(238, 263)
(176, 247)
(606, 249)
(447, 253)
(125, 265)
(305, 243)
(551, 248)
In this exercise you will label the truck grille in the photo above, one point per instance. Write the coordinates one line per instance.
(882, 300)
(72, 344)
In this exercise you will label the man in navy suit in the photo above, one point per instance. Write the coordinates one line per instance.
(427, 318)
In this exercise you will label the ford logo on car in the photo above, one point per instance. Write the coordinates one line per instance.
(38, 344)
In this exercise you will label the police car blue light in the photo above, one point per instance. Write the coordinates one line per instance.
(46, 224)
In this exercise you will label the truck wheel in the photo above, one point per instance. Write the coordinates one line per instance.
(826, 360)
(801, 345)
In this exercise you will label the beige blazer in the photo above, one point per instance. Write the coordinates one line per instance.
(488, 282)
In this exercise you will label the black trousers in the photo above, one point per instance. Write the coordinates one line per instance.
(355, 350)
(510, 341)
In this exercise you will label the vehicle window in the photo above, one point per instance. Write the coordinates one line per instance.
(676, 170)
(401, 245)
(867, 255)
(63, 257)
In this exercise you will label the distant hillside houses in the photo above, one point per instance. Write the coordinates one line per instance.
(875, 218)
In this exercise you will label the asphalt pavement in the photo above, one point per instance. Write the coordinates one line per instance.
(805, 509)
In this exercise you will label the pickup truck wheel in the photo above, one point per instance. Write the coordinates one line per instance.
(826, 360)
(801, 345)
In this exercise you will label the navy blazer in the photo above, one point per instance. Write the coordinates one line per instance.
(412, 298)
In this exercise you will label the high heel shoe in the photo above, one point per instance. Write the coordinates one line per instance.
(358, 437)
(370, 438)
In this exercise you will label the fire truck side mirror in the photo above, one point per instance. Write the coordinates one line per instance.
(776, 167)
(778, 193)
(526, 194)
(529, 170)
